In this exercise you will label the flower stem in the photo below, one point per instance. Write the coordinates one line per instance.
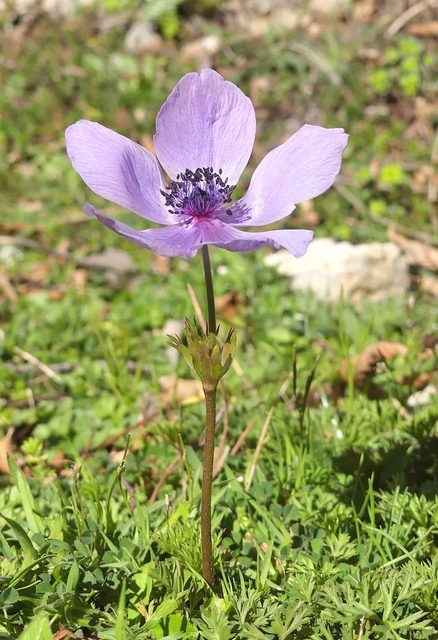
(210, 426)
(207, 479)
(211, 325)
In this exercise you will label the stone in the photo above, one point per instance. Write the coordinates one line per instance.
(423, 398)
(10, 255)
(54, 7)
(201, 51)
(329, 7)
(255, 18)
(116, 262)
(141, 38)
(373, 271)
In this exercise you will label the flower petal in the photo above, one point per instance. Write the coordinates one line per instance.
(205, 122)
(118, 169)
(220, 234)
(300, 169)
(295, 240)
(178, 240)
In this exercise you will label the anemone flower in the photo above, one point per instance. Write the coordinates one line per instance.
(205, 134)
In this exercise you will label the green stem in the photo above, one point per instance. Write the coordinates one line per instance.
(207, 479)
(210, 426)
(211, 325)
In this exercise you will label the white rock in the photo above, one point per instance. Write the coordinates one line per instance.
(141, 38)
(116, 263)
(257, 17)
(10, 255)
(202, 51)
(286, 18)
(422, 398)
(375, 271)
(112, 259)
(54, 7)
(329, 7)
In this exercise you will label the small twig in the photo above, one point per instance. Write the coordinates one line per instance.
(407, 15)
(23, 369)
(37, 284)
(112, 439)
(67, 367)
(418, 235)
(197, 307)
(286, 383)
(241, 439)
(61, 255)
(362, 625)
(22, 404)
(30, 398)
(350, 197)
(320, 62)
(259, 448)
(400, 408)
(220, 461)
(37, 363)
(386, 222)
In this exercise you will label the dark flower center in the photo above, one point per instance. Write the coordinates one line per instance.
(199, 192)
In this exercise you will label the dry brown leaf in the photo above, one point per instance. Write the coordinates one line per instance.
(35, 278)
(160, 265)
(180, 391)
(306, 214)
(123, 118)
(6, 287)
(39, 271)
(421, 178)
(6, 447)
(78, 278)
(201, 51)
(258, 88)
(64, 633)
(424, 29)
(429, 284)
(362, 11)
(56, 295)
(63, 246)
(422, 380)
(31, 206)
(430, 341)
(417, 253)
(364, 365)
(59, 462)
(11, 227)
(117, 456)
(147, 142)
(229, 304)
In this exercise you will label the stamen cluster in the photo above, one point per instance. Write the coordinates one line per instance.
(199, 192)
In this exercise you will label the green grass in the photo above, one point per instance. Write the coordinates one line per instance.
(335, 536)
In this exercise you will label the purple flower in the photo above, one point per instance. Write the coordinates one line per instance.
(205, 134)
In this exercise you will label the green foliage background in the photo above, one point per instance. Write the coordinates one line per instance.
(335, 538)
